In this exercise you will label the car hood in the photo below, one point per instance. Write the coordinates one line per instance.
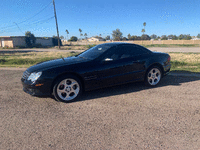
(55, 63)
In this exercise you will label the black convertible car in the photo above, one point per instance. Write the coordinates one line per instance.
(100, 66)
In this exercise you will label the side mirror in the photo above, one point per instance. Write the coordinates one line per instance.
(108, 59)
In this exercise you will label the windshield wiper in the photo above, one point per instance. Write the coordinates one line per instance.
(62, 58)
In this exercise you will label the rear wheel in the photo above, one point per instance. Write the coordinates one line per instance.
(153, 76)
(67, 89)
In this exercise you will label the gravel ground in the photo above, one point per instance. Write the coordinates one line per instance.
(129, 116)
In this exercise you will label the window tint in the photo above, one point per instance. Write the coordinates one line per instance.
(132, 50)
(113, 53)
(94, 52)
(125, 51)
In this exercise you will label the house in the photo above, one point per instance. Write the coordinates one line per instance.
(17, 41)
(95, 39)
(195, 38)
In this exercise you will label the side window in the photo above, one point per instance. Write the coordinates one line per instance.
(123, 51)
(131, 51)
(113, 53)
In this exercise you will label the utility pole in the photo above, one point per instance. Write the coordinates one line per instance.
(56, 24)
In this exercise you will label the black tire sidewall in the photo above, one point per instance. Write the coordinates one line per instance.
(58, 82)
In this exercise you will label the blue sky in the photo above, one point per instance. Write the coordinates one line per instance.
(162, 17)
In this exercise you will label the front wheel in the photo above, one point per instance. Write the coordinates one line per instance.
(67, 89)
(153, 76)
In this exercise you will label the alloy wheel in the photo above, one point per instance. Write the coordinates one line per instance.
(154, 76)
(68, 89)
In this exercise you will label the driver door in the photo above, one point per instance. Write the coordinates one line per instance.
(117, 66)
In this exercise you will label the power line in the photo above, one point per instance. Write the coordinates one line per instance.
(36, 13)
(18, 27)
(30, 17)
(38, 22)
(42, 21)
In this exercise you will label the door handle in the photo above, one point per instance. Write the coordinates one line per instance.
(137, 61)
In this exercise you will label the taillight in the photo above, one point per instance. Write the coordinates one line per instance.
(168, 59)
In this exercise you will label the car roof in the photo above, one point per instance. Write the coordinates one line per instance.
(123, 43)
(118, 43)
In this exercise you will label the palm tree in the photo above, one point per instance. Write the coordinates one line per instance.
(67, 33)
(129, 36)
(143, 30)
(144, 24)
(85, 35)
(80, 32)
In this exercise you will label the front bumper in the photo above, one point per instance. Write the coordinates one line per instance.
(32, 89)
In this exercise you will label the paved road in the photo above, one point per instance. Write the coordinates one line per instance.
(158, 49)
(129, 116)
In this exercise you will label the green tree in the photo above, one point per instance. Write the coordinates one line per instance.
(61, 37)
(153, 36)
(145, 37)
(198, 35)
(164, 37)
(170, 37)
(135, 37)
(129, 36)
(184, 37)
(174, 37)
(188, 37)
(29, 39)
(180, 37)
(107, 37)
(124, 39)
(158, 38)
(117, 35)
(73, 38)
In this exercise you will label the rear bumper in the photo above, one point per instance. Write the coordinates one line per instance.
(166, 69)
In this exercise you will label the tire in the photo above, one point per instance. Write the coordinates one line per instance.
(153, 76)
(67, 89)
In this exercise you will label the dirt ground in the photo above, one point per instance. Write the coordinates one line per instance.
(129, 116)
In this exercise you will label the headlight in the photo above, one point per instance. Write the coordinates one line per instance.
(34, 76)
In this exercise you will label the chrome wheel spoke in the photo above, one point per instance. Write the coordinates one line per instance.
(68, 89)
(154, 76)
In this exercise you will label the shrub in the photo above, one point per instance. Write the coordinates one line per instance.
(90, 46)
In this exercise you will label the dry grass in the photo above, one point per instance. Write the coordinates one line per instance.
(36, 55)
(73, 47)
(185, 62)
(30, 58)
(180, 61)
(185, 57)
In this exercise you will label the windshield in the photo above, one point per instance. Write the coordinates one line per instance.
(95, 51)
